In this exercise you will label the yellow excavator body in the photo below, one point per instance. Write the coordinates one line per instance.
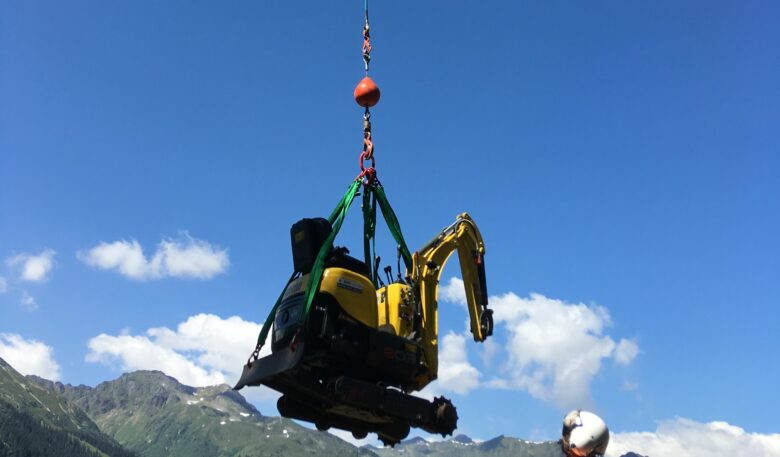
(354, 293)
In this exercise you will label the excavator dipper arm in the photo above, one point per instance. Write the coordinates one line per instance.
(427, 264)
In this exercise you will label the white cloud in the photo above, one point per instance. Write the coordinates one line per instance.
(629, 386)
(203, 350)
(453, 292)
(626, 351)
(3, 285)
(682, 437)
(140, 353)
(456, 374)
(33, 268)
(185, 257)
(28, 302)
(29, 356)
(490, 349)
(553, 349)
(223, 344)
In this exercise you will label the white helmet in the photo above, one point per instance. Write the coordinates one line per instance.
(584, 435)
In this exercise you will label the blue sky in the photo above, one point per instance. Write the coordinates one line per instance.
(620, 155)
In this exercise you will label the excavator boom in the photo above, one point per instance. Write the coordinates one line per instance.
(427, 264)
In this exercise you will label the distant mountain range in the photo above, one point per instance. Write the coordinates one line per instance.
(149, 414)
(463, 446)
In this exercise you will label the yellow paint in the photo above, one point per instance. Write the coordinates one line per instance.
(396, 308)
(354, 292)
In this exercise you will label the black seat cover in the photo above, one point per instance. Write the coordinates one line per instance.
(340, 259)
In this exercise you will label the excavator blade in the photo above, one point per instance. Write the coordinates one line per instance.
(265, 369)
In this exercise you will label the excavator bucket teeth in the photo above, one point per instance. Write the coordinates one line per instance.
(263, 370)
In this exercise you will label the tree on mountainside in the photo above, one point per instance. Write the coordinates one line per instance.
(24, 436)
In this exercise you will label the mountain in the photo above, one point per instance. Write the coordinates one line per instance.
(155, 415)
(463, 439)
(463, 446)
(29, 412)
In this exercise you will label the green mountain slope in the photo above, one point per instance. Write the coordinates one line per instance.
(37, 422)
(154, 415)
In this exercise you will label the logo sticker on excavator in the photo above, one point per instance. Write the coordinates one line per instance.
(350, 285)
(298, 286)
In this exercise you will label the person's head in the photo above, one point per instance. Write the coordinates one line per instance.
(584, 435)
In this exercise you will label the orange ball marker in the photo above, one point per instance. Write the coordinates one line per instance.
(367, 93)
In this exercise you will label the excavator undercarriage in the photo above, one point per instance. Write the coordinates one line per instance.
(353, 404)
(335, 372)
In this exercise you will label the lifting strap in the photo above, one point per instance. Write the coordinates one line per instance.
(336, 218)
(377, 193)
(268, 321)
(373, 193)
(369, 229)
(392, 223)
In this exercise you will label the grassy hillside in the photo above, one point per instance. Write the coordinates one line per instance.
(156, 416)
(36, 422)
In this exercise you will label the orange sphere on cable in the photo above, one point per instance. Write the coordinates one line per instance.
(367, 93)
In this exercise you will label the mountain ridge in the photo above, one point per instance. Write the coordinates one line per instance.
(152, 414)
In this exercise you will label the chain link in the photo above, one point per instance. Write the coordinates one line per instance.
(368, 144)
(366, 43)
(254, 356)
(367, 174)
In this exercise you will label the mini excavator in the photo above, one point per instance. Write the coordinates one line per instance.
(353, 361)
(348, 350)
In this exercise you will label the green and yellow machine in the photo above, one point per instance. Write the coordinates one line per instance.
(348, 350)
